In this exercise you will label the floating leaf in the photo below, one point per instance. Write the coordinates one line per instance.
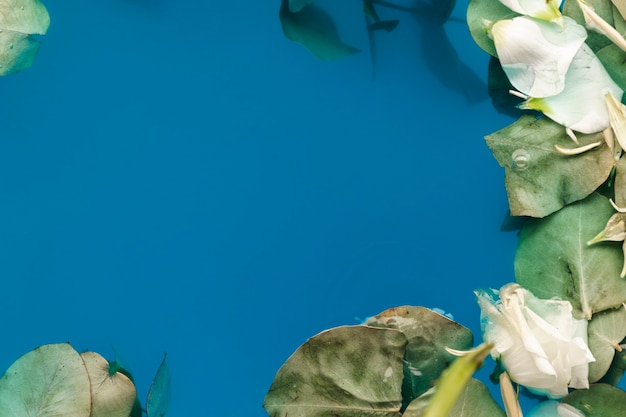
(600, 400)
(428, 334)
(620, 183)
(540, 180)
(481, 11)
(159, 396)
(614, 61)
(313, 28)
(18, 20)
(50, 381)
(603, 8)
(112, 395)
(554, 260)
(474, 401)
(606, 330)
(345, 371)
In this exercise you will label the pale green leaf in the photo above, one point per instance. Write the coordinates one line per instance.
(479, 14)
(428, 334)
(350, 371)
(314, 29)
(540, 180)
(600, 400)
(159, 396)
(474, 401)
(554, 260)
(606, 330)
(24, 16)
(111, 395)
(17, 52)
(50, 381)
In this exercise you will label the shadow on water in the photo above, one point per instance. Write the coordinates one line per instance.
(439, 54)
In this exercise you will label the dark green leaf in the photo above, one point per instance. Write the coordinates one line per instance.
(600, 400)
(540, 180)
(350, 371)
(428, 334)
(475, 401)
(554, 260)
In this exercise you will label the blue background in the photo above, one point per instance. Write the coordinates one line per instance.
(176, 176)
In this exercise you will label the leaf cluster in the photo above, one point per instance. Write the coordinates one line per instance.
(55, 380)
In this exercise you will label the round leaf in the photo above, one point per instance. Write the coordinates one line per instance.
(480, 11)
(50, 381)
(345, 371)
(600, 400)
(554, 260)
(428, 334)
(24, 16)
(606, 331)
(17, 52)
(539, 180)
(474, 401)
(111, 395)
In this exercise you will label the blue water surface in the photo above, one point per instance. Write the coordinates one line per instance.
(177, 176)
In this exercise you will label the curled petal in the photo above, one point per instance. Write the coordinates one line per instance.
(598, 24)
(536, 54)
(581, 106)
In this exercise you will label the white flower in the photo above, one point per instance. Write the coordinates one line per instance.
(535, 54)
(541, 9)
(581, 106)
(538, 341)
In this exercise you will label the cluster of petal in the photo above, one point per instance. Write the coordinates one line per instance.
(581, 106)
(539, 342)
(535, 54)
(541, 9)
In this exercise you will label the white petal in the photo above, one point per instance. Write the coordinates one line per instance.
(541, 9)
(581, 105)
(536, 54)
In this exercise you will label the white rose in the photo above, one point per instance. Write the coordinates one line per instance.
(539, 342)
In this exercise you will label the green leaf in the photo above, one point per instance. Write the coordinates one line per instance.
(111, 395)
(554, 260)
(474, 401)
(50, 381)
(17, 52)
(18, 20)
(600, 400)
(346, 371)
(603, 8)
(158, 401)
(313, 28)
(428, 334)
(540, 180)
(24, 16)
(479, 11)
(606, 330)
(614, 61)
